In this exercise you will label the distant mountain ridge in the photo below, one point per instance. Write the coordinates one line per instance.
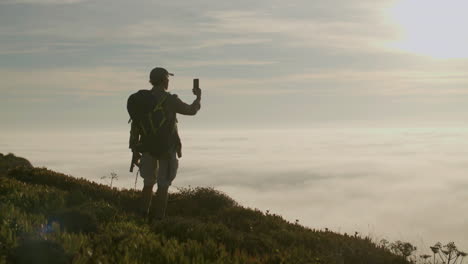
(48, 217)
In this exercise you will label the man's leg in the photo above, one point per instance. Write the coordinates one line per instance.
(166, 173)
(148, 169)
(146, 196)
(161, 202)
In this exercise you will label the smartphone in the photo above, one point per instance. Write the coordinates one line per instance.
(195, 84)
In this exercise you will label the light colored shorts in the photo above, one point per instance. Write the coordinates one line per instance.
(162, 172)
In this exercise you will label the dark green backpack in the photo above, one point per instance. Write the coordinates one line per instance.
(148, 115)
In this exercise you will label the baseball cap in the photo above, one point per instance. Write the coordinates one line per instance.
(158, 74)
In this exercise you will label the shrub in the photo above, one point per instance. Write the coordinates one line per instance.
(39, 251)
(10, 161)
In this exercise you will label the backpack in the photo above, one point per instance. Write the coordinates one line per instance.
(147, 114)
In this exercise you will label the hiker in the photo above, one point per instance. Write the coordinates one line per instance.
(156, 148)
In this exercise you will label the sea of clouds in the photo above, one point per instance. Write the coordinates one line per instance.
(395, 183)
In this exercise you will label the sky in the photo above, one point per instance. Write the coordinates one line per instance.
(73, 63)
(312, 71)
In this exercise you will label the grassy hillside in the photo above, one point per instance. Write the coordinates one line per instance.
(48, 217)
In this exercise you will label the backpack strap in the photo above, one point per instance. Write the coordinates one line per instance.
(160, 103)
(158, 107)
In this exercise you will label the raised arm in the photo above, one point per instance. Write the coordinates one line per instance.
(186, 109)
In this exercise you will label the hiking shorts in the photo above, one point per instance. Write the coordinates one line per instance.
(162, 172)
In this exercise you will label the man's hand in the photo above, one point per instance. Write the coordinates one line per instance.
(197, 92)
(135, 160)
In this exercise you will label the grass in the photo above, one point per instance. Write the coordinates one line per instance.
(49, 217)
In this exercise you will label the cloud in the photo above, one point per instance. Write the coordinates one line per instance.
(348, 180)
(97, 81)
(78, 81)
(302, 32)
(208, 29)
(42, 2)
(54, 47)
(337, 82)
(220, 42)
(224, 63)
(341, 178)
(317, 60)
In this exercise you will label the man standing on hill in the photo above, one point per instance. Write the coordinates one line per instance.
(156, 153)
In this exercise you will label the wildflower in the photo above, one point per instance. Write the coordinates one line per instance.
(435, 249)
(451, 246)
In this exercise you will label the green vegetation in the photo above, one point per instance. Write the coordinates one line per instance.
(10, 161)
(48, 217)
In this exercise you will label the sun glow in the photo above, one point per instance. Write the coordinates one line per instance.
(435, 28)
